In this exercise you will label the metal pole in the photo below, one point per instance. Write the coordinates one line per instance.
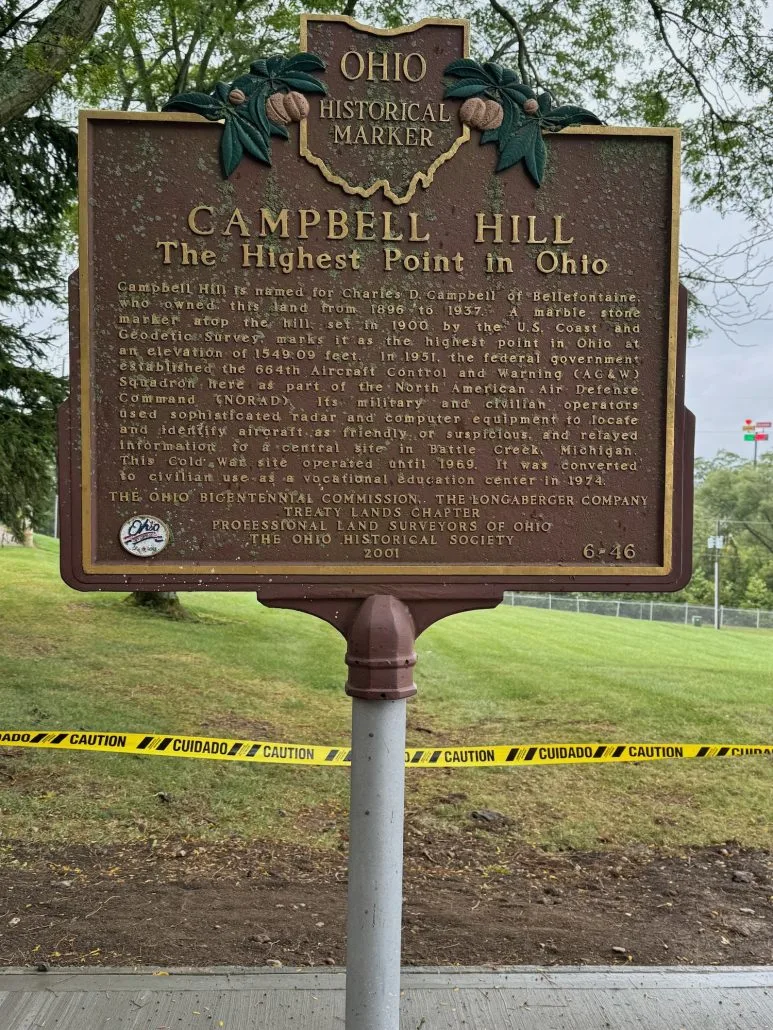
(375, 865)
(716, 579)
(381, 657)
(716, 590)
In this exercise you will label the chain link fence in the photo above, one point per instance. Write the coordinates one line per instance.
(648, 611)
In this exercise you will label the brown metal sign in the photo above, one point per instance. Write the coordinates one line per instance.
(321, 336)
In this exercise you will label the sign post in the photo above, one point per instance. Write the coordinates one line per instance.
(377, 332)
(381, 658)
(375, 896)
(755, 432)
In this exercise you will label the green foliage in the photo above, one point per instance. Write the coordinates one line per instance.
(38, 160)
(147, 52)
(519, 137)
(736, 497)
(27, 443)
(734, 500)
(757, 593)
(700, 590)
(37, 185)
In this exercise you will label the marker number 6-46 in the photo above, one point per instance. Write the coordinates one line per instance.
(617, 551)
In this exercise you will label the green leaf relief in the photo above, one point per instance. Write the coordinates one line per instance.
(519, 137)
(252, 140)
(517, 147)
(562, 117)
(495, 71)
(231, 149)
(246, 83)
(275, 64)
(301, 81)
(467, 89)
(305, 62)
(536, 158)
(463, 68)
(247, 127)
(256, 109)
(196, 103)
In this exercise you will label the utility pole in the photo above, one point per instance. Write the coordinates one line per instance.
(716, 542)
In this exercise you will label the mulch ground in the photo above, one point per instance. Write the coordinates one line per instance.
(474, 898)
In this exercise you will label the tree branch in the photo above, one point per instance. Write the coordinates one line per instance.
(541, 15)
(175, 36)
(522, 53)
(659, 14)
(526, 66)
(138, 58)
(32, 69)
(759, 538)
(6, 29)
(181, 79)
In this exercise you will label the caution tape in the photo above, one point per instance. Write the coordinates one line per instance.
(454, 756)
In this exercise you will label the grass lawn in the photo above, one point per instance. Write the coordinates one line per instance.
(87, 661)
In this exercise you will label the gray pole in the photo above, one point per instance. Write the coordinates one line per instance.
(375, 865)
(716, 578)
(381, 657)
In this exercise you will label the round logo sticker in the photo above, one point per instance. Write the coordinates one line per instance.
(144, 535)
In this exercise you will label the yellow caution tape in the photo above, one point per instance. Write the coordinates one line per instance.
(273, 752)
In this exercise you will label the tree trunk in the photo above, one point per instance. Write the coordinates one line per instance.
(162, 602)
(32, 69)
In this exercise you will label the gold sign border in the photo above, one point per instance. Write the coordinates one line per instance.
(420, 178)
(140, 566)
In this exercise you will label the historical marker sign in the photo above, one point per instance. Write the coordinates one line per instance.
(321, 334)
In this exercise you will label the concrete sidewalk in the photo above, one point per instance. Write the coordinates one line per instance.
(520, 998)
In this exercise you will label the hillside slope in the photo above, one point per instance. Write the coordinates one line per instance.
(88, 661)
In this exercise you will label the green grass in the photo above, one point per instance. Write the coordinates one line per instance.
(88, 661)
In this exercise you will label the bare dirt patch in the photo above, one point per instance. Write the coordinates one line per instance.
(474, 898)
(233, 725)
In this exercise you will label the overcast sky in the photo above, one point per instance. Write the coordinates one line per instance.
(728, 380)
